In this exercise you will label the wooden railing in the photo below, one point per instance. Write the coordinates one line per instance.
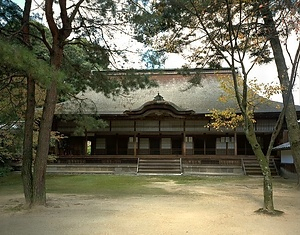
(86, 159)
(188, 159)
(213, 160)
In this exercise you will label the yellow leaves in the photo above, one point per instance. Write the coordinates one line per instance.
(257, 92)
(241, 36)
(223, 99)
(256, 95)
(267, 90)
(227, 118)
(56, 136)
(226, 84)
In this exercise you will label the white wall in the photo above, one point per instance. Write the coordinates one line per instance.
(286, 156)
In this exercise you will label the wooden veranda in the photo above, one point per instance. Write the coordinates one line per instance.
(163, 164)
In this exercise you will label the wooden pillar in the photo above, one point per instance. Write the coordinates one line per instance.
(184, 142)
(226, 152)
(117, 144)
(235, 143)
(85, 144)
(135, 140)
(204, 143)
(184, 145)
(135, 146)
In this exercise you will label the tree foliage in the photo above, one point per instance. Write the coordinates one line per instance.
(77, 43)
(183, 27)
(10, 15)
(18, 61)
(228, 119)
(153, 59)
(231, 118)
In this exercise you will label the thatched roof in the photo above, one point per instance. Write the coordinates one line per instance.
(173, 87)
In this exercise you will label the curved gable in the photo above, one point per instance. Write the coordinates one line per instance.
(159, 107)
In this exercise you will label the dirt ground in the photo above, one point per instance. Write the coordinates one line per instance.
(222, 208)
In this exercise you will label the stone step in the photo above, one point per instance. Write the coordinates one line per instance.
(252, 167)
(159, 166)
(159, 161)
(160, 170)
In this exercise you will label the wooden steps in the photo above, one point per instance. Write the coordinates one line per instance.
(149, 166)
(251, 167)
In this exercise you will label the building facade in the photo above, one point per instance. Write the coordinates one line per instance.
(163, 123)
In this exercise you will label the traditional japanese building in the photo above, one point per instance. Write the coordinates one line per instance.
(162, 129)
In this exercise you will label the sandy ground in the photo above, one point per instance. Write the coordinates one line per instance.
(223, 208)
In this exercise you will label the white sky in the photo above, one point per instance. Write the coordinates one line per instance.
(264, 73)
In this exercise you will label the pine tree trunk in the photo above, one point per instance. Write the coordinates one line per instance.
(29, 117)
(288, 100)
(39, 187)
(59, 35)
(28, 142)
(294, 137)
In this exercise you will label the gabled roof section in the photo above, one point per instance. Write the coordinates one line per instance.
(284, 146)
(159, 107)
(180, 97)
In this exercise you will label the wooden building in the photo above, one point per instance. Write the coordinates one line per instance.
(162, 129)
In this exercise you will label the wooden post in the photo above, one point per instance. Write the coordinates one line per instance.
(134, 146)
(184, 145)
(204, 143)
(85, 145)
(117, 144)
(235, 143)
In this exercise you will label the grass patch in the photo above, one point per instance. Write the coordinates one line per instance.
(205, 180)
(123, 185)
(107, 185)
(11, 184)
(112, 185)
